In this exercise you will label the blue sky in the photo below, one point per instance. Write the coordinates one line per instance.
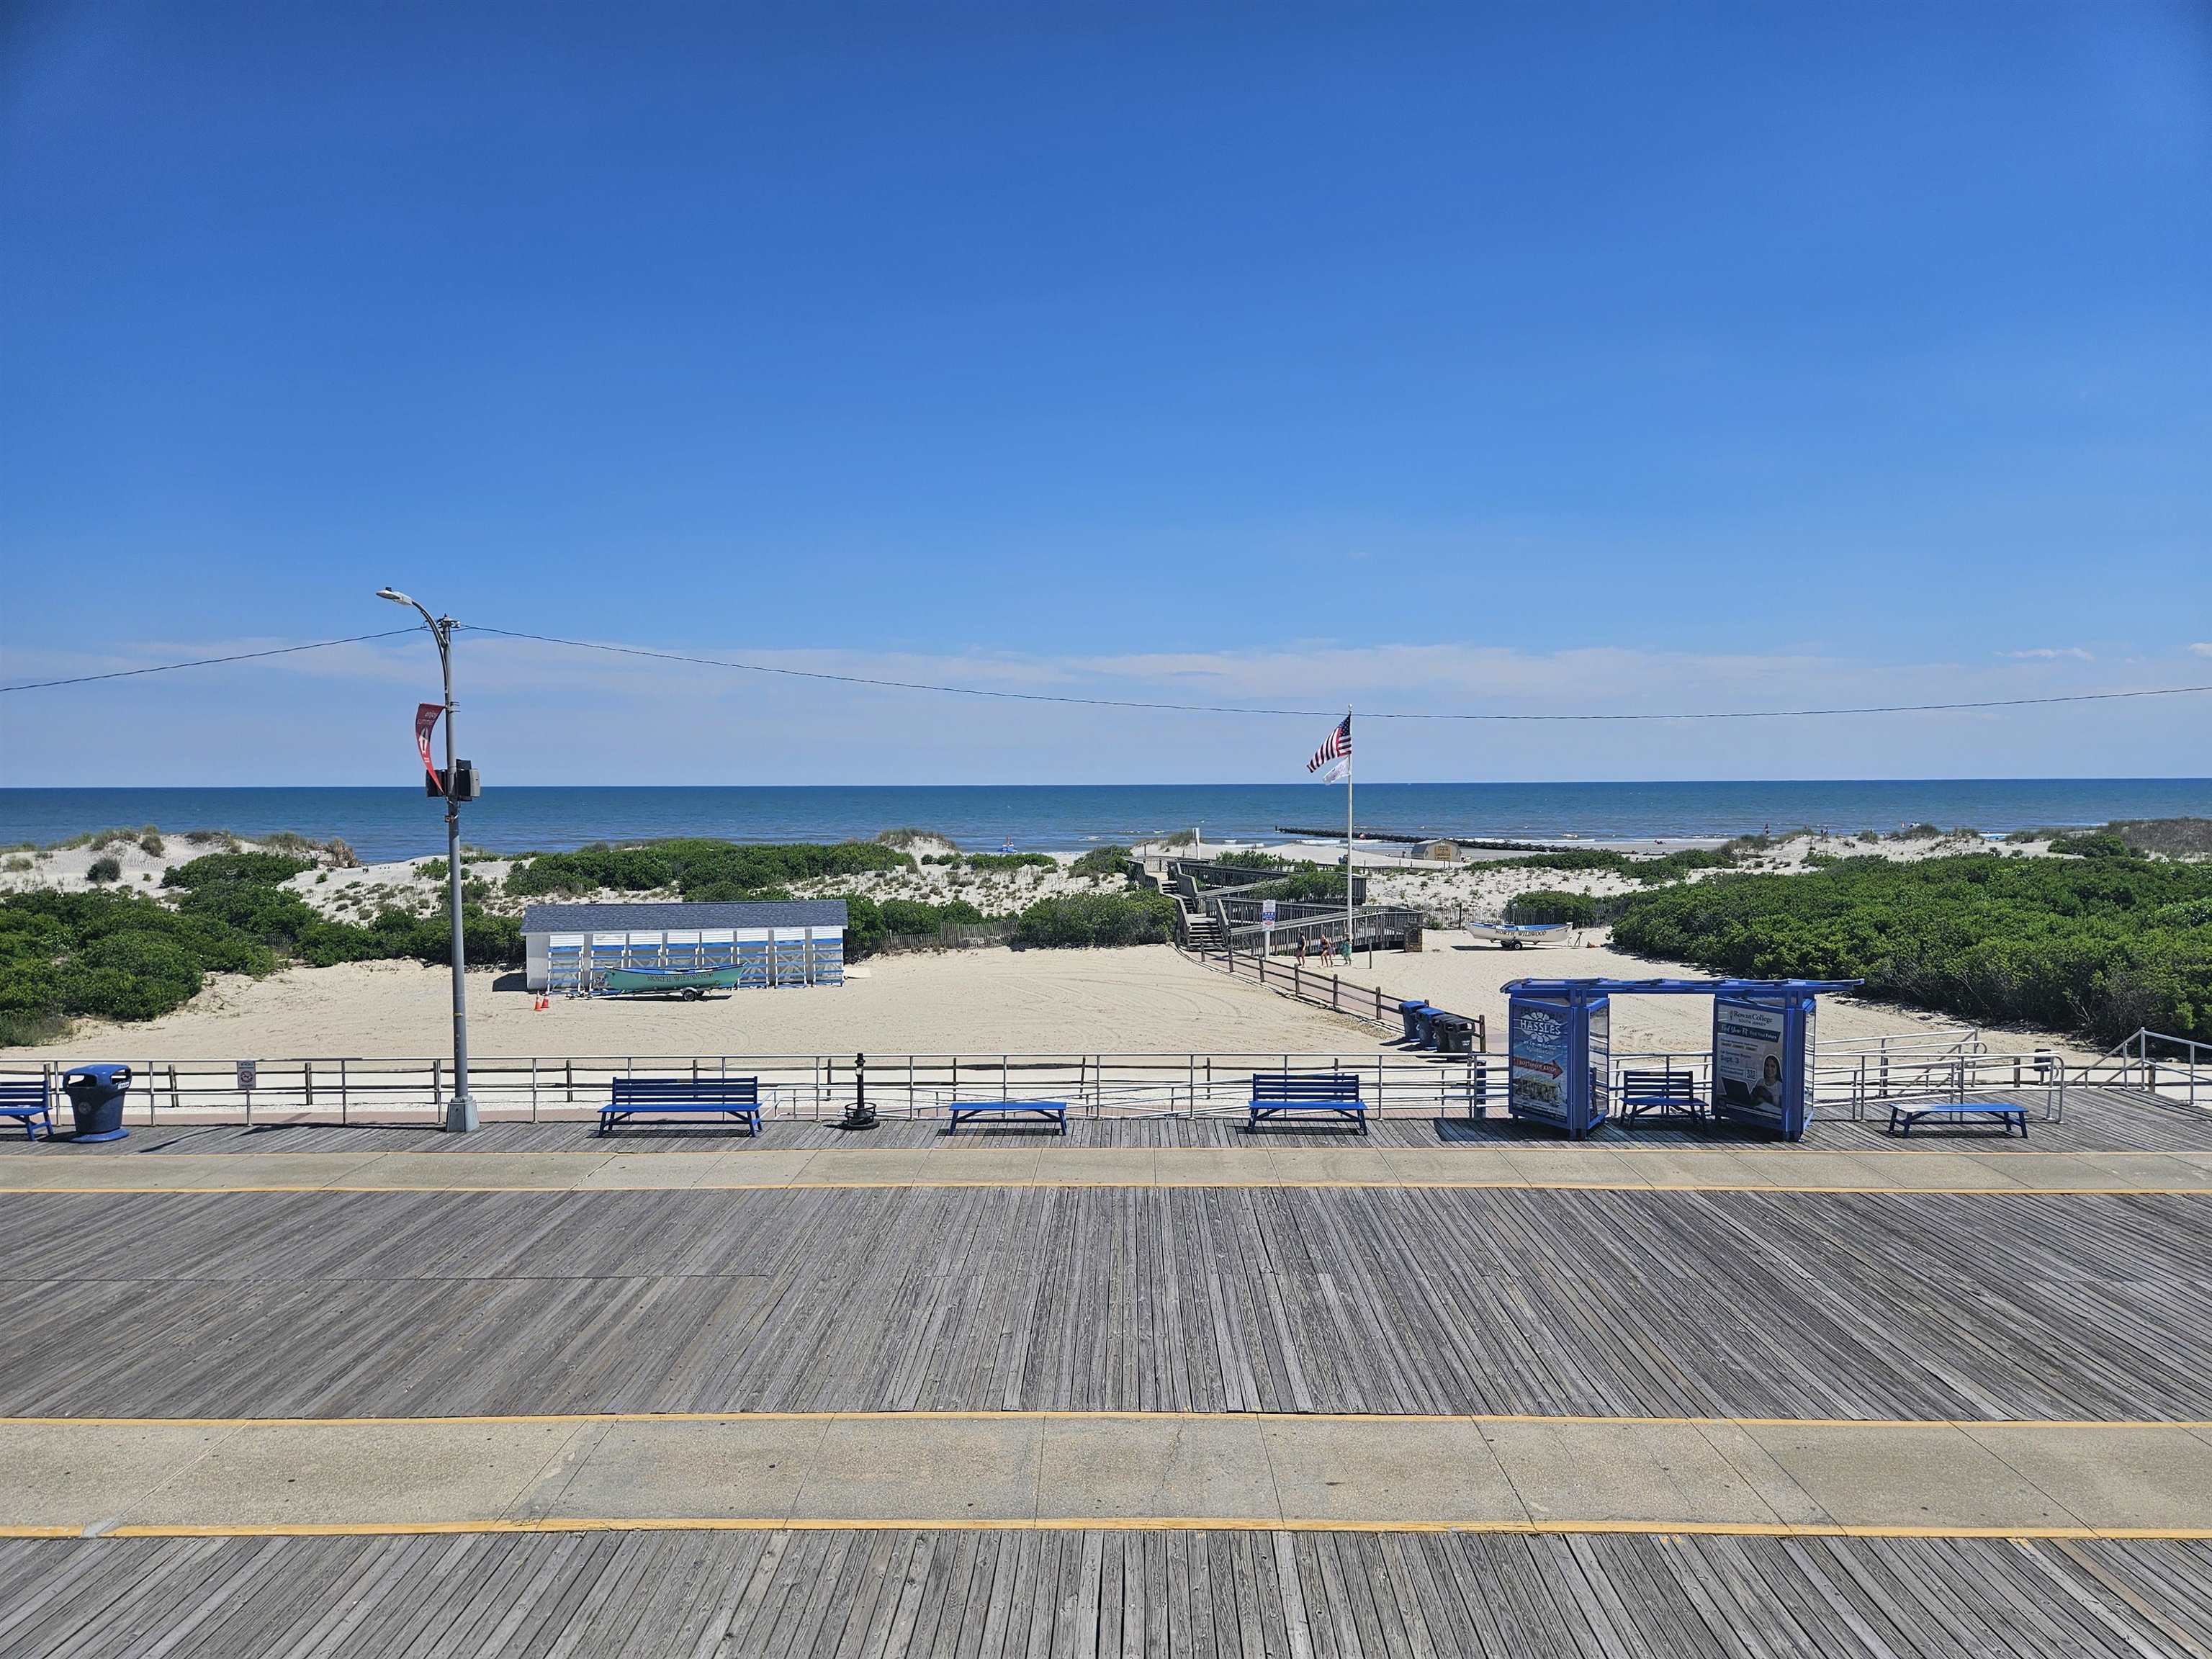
(1508, 359)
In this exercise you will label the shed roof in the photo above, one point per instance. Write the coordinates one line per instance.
(645, 918)
(1590, 987)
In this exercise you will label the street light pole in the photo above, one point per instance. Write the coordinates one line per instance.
(460, 1107)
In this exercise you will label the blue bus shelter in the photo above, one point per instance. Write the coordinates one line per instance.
(1559, 1062)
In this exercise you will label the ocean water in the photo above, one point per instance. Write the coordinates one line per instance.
(390, 823)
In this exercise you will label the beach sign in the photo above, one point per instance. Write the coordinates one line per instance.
(249, 1074)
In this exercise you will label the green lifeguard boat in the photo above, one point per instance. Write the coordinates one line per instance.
(691, 984)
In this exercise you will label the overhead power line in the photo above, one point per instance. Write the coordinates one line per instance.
(883, 682)
(205, 662)
(1313, 714)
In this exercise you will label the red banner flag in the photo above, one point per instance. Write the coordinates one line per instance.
(426, 722)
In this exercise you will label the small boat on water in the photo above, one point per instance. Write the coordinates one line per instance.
(690, 983)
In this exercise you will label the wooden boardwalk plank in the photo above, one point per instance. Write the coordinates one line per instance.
(1212, 1299)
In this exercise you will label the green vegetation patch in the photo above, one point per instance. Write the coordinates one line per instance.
(1011, 861)
(118, 956)
(1101, 864)
(2094, 945)
(868, 922)
(1651, 872)
(1546, 904)
(699, 870)
(1095, 919)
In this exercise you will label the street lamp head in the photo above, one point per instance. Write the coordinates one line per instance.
(394, 595)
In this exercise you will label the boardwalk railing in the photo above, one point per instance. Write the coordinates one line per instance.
(1853, 1081)
(346, 1089)
(1317, 989)
(2172, 1067)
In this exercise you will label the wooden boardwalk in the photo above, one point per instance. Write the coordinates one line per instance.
(980, 1595)
(1395, 1300)
(1549, 1300)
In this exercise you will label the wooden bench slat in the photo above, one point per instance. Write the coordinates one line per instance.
(28, 1104)
(1329, 1093)
(727, 1097)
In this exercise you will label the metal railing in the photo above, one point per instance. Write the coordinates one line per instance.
(2173, 1068)
(1857, 1080)
(344, 1089)
(1315, 989)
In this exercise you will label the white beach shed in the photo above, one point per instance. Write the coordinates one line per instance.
(770, 942)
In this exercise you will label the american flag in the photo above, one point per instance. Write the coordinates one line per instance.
(1338, 746)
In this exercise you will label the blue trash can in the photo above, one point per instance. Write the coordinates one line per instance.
(1410, 1010)
(96, 1094)
(1424, 1026)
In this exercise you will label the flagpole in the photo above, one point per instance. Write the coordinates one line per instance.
(1348, 835)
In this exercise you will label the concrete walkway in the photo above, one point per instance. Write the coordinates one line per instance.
(959, 1163)
(68, 1477)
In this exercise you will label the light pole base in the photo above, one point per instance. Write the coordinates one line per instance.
(460, 1115)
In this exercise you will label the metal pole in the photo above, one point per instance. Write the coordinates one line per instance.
(1349, 941)
(461, 1107)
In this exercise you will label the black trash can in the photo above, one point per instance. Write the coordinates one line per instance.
(1410, 1012)
(1454, 1033)
(96, 1095)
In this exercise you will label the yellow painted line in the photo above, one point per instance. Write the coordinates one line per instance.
(2189, 1425)
(1414, 1184)
(41, 1532)
(1119, 1524)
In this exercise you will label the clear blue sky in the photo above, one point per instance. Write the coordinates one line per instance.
(1566, 357)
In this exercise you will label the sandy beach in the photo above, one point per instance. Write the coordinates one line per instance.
(990, 1001)
(1148, 999)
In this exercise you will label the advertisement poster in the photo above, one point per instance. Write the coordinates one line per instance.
(1538, 1066)
(1599, 1056)
(426, 722)
(1748, 1066)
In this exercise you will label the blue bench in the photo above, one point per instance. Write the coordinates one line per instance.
(1663, 1095)
(1904, 1115)
(1053, 1110)
(657, 1097)
(29, 1103)
(1325, 1093)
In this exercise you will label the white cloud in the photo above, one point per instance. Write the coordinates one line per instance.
(2201, 648)
(2050, 652)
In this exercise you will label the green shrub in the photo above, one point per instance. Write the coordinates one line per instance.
(152, 842)
(1650, 872)
(130, 977)
(2096, 945)
(914, 916)
(864, 927)
(1101, 864)
(2100, 844)
(31, 1031)
(700, 871)
(1095, 919)
(1013, 862)
(1252, 861)
(1548, 904)
(103, 869)
(218, 869)
(1309, 884)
